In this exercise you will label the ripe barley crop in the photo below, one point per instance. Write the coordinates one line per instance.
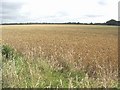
(66, 48)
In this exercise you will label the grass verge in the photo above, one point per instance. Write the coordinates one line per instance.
(19, 72)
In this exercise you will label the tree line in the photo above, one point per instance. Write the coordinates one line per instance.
(110, 22)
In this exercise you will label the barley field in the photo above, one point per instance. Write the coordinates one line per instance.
(60, 56)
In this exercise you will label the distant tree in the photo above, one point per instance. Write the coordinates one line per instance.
(91, 23)
(112, 22)
(118, 23)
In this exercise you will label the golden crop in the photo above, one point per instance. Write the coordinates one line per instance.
(93, 49)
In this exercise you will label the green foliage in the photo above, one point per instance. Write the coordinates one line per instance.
(7, 51)
(20, 72)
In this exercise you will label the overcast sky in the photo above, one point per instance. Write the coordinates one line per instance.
(58, 10)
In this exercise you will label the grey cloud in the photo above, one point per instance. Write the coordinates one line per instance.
(93, 16)
(102, 2)
(57, 15)
(118, 10)
(8, 16)
(62, 13)
(10, 10)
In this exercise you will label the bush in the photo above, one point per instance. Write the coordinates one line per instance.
(7, 51)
